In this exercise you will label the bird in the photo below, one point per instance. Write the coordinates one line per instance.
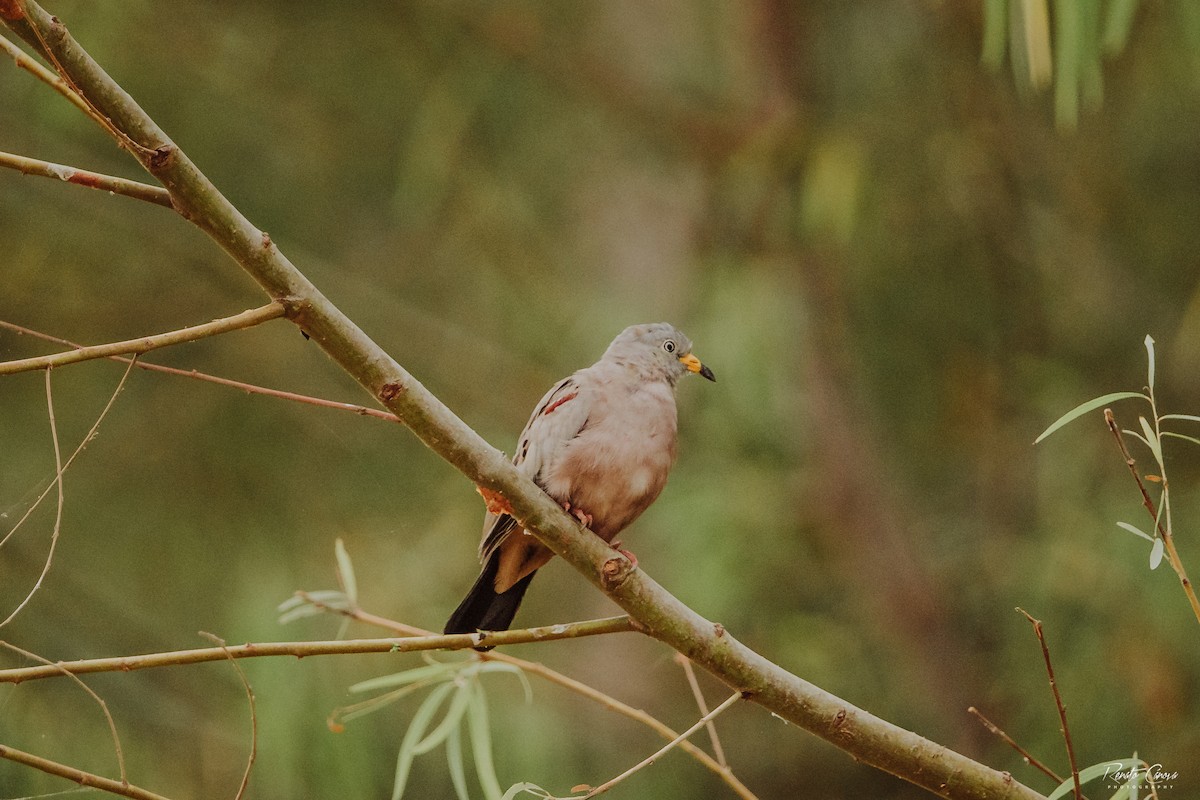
(601, 443)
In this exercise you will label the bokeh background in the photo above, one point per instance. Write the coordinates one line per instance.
(900, 265)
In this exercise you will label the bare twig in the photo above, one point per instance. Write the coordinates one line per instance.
(246, 319)
(604, 787)
(79, 776)
(1004, 737)
(58, 481)
(112, 726)
(92, 180)
(253, 713)
(34, 68)
(1163, 530)
(1062, 710)
(686, 663)
(249, 388)
(542, 671)
(457, 641)
(82, 444)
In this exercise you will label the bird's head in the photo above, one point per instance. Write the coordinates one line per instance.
(658, 348)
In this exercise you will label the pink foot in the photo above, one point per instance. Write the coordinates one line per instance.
(632, 558)
(585, 519)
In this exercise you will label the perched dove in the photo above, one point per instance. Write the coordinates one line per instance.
(601, 443)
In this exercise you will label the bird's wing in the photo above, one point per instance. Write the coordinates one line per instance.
(557, 419)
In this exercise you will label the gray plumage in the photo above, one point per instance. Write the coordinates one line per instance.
(601, 443)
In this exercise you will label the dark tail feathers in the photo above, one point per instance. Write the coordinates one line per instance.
(485, 609)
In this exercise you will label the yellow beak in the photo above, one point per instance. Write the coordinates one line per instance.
(693, 364)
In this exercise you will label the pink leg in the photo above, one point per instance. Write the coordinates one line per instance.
(628, 554)
(585, 519)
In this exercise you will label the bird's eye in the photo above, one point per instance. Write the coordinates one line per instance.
(669, 346)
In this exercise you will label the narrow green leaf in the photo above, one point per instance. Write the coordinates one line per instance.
(371, 705)
(1083, 408)
(1152, 441)
(449, 723)
(1150, 362)
(1183, 436)
(345, 571)
(416, 730)
(532, 788)
(995, 32)
(1068, 61)
(1185, 417)
(1091, 773)
(441, 670)
(481, 744)
(496, 666)
(1139, 437)
(298, 613)
(454, 760)
(1156, 554)
(1117, 24)
(1135, 530)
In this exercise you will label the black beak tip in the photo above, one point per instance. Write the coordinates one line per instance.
(705, 372)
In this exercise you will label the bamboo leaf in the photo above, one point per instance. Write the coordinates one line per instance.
(345, 571)
(1135, 530)
(496, 666)
(449, 723)
(1152, 441)
(1150, 362)
(1156, 554)
(1091, 773)
(1185, 417)
(416, 730)
(439, 670)
(1117, 24)
(995, 32)
(481, 744)
(1083, 408)
(454, 760)
(1183, 436)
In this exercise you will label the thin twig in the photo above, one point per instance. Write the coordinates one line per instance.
(253, 713)
(58, 481)
(139, 151)
(112, 726)
(1163, 531)
(33, 67)
(542, 671)
(86, 779)
(1062, 710)
(92, 180)
(604, 787)
(79, 449)
(249, 388)
(686, 663)
(457, 641)
(144, 344)
(1004, 737)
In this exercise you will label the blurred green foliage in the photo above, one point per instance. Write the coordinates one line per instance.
(898, 264)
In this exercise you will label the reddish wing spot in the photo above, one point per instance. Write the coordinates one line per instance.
(565, 398)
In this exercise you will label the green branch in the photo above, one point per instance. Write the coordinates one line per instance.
(92, 180)
(407, 644)
(864, 736)
(145, 344)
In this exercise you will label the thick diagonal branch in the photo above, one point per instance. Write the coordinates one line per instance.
(864, 736)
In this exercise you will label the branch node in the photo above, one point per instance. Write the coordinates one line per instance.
(615, 571)
(718, 630)
(162, 156)
(839, 718)
(390, 391)
(266, 240)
